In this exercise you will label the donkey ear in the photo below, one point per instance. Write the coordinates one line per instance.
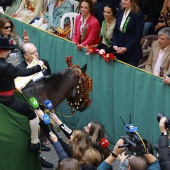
(84, 68)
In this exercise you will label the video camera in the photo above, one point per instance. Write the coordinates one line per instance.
(133, 141)
(167, 121)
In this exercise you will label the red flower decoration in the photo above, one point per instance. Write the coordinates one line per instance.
(111, 56)
(106, 56)
(69, 61)
(91, 49)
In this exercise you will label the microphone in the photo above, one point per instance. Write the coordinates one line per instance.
(46, 120)
(34, 103)
(105, 144)
(48, 105)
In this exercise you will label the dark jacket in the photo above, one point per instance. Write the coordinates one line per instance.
(164, 152)
(8, 73)
(46, 72)
(131, 37)
(151, 9)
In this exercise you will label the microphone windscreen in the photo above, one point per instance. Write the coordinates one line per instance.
(48, 104)
(104, 142)
(34, 103)
(46, 119)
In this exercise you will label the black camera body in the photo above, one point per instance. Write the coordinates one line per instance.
(167, 121)
(134, 144)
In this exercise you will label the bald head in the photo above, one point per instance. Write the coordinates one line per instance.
(28, 50)
(137, 163)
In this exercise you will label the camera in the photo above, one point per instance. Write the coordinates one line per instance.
(133, 141)
(167, 121)
(135, 144)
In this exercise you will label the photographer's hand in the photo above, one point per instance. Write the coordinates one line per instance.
(122, 157)
(117, 150)
(162, 125)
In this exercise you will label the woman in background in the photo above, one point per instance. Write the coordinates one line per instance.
(28, 10)
(164, 19)
(128, 32)
(87, 27)
(13, 7)
(107, 28)
(7, 30)
(89, 161)
(52, 18)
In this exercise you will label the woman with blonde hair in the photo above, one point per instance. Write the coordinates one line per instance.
(94, 130)
(128, 32)
(79, 143)
(68, 164)
(90, 159)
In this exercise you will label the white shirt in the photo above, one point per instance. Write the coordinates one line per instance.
(83, 24)
(124, 19)
(156, 69)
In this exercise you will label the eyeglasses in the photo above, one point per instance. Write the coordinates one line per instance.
(7, 27)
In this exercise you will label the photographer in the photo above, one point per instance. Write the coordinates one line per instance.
(145, 162)
(107, 163)
(163, 149)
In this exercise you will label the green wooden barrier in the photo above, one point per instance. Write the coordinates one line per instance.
(14, 138)
(118, 89)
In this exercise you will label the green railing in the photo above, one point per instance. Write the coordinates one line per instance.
(118, 89)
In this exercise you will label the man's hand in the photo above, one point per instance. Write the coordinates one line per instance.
(162, 124)
(166, 80)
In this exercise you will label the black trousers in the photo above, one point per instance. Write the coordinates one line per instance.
(18, 105)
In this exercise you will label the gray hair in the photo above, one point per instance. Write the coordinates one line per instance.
(22, 50)
(165, 31)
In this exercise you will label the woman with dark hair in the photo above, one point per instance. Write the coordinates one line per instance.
(87, 27)
(7, 30)
(107, 28)
(128, 32)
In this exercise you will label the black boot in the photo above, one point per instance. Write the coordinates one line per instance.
(43, 147)
(34, 147)
(45, 164)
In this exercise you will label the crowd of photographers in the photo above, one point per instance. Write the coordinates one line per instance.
(137, 153)
(131, 152)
